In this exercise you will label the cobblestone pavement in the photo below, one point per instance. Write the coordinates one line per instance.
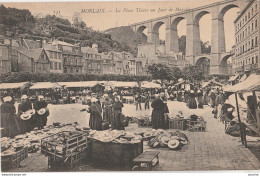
(210, 150)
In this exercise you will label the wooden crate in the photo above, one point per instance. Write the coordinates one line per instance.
(179, 124)
(110, 155)
(72, 161)
(75, 143)
(13, 161)
(196, 126)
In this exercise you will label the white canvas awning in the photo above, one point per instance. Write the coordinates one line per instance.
(124, 84)
(243, 78)
(233, 78)
(45, 85)
(78, 84)
(146, 84)
(251, 83)
(212, 82)
(20, 85)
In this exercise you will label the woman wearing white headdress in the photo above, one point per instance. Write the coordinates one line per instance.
(8, 118)
(117, 117)
(95, 110)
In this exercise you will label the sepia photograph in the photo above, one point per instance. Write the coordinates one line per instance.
(154, 86)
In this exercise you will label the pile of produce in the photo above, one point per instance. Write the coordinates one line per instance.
(173, 140)
(32, 139)
(117, 136)
(144, 118)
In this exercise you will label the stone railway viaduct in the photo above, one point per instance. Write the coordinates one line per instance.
(218, 56)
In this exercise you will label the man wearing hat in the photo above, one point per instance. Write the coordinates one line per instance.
(25, 105)
(41, 113)
(200, 99)
(8, 119)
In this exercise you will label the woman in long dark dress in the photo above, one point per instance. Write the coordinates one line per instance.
(159, 109)
(9, 122)
(200, 99)
(95, 110)
(117, 117)
(107, 109)
(192, 103)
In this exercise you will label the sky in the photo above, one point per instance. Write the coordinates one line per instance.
(104, 15)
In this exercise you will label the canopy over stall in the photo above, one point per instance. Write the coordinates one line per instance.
(233, 78)
(251, 83)
(78, 84)
(45, 85)
(20, 85)
(125, 84)
(212, 82)
(149, 85)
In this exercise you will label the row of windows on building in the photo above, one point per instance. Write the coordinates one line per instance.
(71, 70)
(94, 56)
(55, 66)
(248, 61)
(55, 55)
(246, 17)
(72, 61)
(243, 34)
(247, 46)
(94, 65)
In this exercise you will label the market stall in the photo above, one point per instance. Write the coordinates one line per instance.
(17, 89)
(212, 83)
(251, 84)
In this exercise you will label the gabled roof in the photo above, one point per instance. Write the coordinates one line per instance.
(62, 43)
(32, 53)
(50, 47)
(31, 44)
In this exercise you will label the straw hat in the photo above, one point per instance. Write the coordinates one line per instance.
(165, 139)
(191, 91)
(173, 144)
(7, 99)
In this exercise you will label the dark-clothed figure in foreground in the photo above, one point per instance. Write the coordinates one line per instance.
(117, 119)
(8, 118)
(192, 103)
(23, 107)
(41, 113)
(107, 109)
(159, 109)
(95, 110)
(200, 99)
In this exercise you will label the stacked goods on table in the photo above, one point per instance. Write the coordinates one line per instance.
(114, 148)
(169, 139)
(144, 121)
(196, 123)
(30, 142)
(12, 154)
(65, 149)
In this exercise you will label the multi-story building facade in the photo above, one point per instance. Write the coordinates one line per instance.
(5, 59)
(71, 55)
(55, 57)
(33, 61)
(246, 48)
(108, 63)
(92, 60)
(155, 54)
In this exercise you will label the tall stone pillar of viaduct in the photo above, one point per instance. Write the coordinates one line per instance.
(193, 45)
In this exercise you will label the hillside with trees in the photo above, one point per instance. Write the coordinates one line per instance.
(15, 22)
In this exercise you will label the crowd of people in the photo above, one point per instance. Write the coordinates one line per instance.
(105, 108)
(32, 113)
